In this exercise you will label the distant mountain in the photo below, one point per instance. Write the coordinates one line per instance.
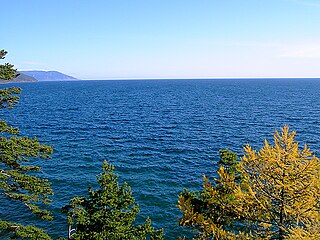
(21, 78)
(48, 75)
(25, 78)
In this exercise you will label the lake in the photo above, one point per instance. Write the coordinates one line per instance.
(161, 135)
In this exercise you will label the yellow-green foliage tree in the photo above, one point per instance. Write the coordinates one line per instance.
(285, 181)
(273, 193)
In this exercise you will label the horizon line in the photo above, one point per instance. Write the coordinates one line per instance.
(192, 78)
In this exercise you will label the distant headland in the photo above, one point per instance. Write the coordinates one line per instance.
(40, 76)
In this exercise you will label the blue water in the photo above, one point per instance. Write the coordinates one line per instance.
(161, 135)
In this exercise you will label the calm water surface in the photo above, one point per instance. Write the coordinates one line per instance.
(162, 135)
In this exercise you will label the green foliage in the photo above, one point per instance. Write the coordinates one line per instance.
(23, 232)
(209, 213)
(18, 181)
(273, 193)
(7, 71)
(229, 160)
(9, 97)
(108, 213)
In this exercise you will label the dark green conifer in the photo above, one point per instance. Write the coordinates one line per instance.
(18, 183)
(108, 213)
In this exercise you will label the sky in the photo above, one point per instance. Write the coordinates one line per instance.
(124, 39)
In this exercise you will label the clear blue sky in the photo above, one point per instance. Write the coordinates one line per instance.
(103, 39)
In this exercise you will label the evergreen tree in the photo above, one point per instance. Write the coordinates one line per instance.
(7, 70)
(107, 213)
(18, 182)
(275, 196)
(210, 212)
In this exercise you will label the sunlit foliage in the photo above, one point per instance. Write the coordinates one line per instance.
(272, 193)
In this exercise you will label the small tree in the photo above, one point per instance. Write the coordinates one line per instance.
(17, 179)
(276, 195)
(107, 213)
(210, 212)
